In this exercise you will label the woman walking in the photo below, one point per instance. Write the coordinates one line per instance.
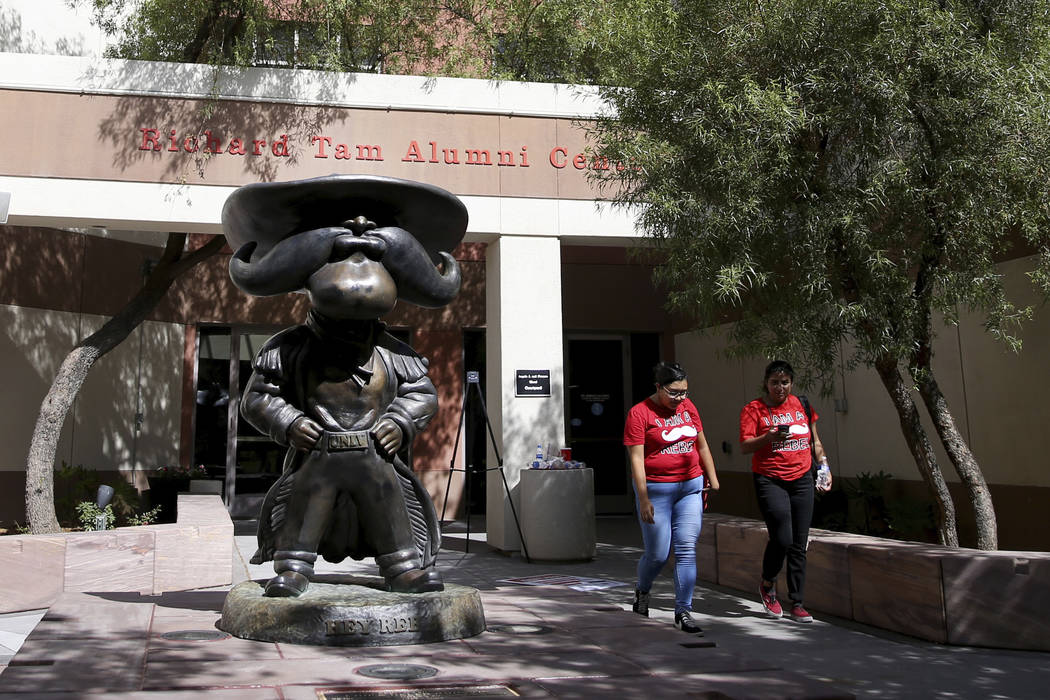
(669, 458)
(783, 440)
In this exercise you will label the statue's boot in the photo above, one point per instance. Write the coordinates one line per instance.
(403, 573)
(294, 570)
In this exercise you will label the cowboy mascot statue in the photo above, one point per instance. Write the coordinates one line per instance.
(340, 392)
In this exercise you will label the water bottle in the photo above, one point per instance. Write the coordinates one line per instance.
(539, 462)
(823, 476)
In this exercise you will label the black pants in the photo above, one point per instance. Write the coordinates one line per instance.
(787, 508)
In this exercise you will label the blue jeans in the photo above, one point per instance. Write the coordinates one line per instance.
(677, 514)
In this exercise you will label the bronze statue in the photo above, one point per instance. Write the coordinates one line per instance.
(344, 395)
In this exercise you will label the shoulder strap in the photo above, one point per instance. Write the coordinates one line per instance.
(805, 407)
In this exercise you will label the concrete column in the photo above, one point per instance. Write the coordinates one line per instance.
(524, 332)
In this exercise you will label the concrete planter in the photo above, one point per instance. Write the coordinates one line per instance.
(195, 552)
(954, 596)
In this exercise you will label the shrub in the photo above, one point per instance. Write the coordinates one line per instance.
(77, 484)
(88, 514)
(148, 517)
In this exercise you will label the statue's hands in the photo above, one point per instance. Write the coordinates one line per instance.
(388, 436)
(303, 434)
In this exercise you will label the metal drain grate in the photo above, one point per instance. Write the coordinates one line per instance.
(431, 693)
(195, 635)
(520, 629)
(398, 672)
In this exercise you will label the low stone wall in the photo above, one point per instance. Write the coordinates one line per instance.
(952, 596)
(196, 551)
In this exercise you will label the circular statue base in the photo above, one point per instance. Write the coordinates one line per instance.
(352, 611)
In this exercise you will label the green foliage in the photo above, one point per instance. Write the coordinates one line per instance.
(88, 512)
(148, 517)
(177, 471)
(867, 505)
(829, 171)
(79, 487)
(77, 484)
(544, 40)
(911, 519)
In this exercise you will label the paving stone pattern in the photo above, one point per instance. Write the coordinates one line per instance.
(569, 644)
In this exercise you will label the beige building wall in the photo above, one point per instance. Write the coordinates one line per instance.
(33, 343)
(1009, 419)
(143, 374)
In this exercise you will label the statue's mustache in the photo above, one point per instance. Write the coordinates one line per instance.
(287, 266)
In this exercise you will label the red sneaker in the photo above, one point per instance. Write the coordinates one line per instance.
(799, 614)
(770, 602)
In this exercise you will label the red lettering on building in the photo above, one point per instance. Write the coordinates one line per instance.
(558, 156)
(414, 155)
(321, 142)
(478, 157)
(280, 146)
(149, 140)
(367, 151)
(325, 147)
(211, 143)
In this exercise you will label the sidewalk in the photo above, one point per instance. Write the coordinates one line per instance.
(548, 641)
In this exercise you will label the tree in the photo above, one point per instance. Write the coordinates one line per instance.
(40, 502)
(539, 40)
(825, 172)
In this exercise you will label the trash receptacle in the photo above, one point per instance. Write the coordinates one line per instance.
(557, 513)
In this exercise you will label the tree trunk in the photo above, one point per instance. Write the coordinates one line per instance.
(40, 464)
(961, 457)
(921, 450)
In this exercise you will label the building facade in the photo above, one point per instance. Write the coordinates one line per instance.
(104, 158)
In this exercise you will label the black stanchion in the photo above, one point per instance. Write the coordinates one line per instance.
(473, 380)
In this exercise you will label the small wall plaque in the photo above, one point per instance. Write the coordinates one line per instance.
(532, 382)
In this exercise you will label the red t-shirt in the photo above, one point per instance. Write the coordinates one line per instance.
(782, 459)
(668, 437)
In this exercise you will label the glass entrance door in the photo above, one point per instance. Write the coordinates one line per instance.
(227, 445)
(597, 375)
(254, 461)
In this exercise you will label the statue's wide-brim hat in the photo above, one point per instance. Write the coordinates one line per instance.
(269, 212)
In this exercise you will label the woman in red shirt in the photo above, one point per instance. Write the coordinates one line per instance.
(783, 440)
(666, 445)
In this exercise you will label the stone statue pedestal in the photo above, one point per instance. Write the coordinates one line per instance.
(354, 611)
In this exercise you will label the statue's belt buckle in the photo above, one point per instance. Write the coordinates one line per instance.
(350, 440)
